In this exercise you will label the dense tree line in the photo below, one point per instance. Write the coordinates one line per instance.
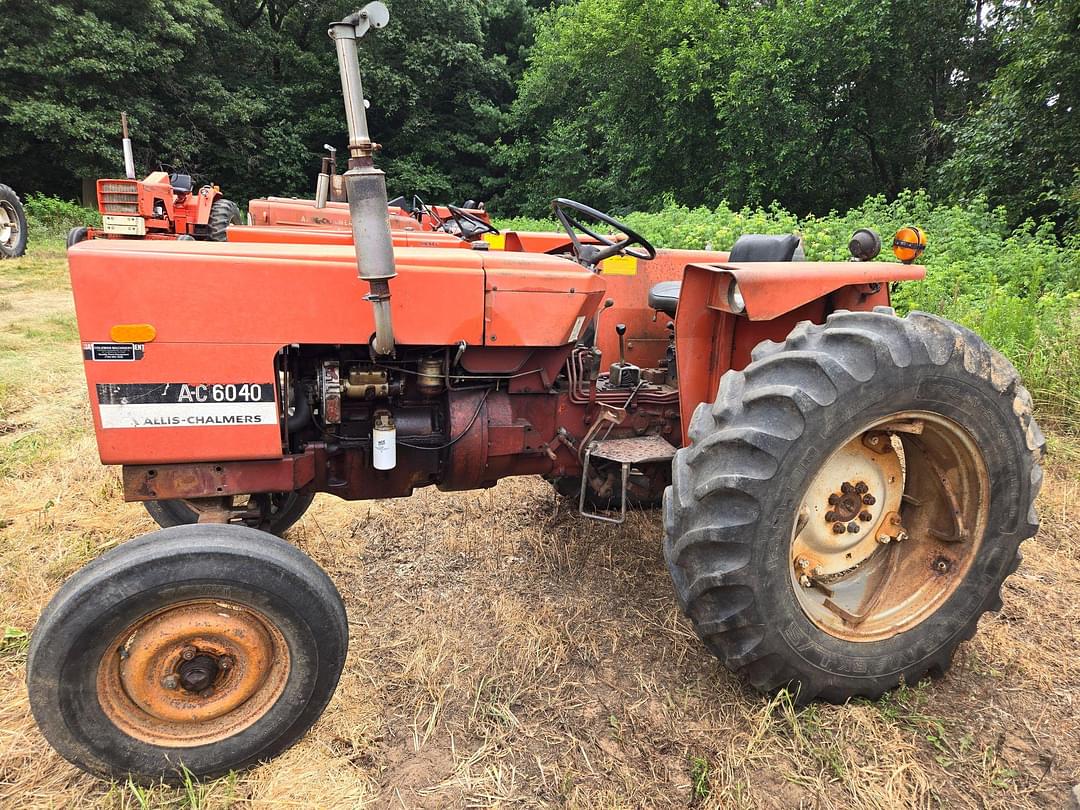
(816, 104)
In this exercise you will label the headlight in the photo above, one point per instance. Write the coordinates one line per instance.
(735, 298)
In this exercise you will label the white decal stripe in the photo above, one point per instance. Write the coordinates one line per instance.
(183, 414)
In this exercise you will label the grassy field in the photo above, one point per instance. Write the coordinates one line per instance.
(506, 653)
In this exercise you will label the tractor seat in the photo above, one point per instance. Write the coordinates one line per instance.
(181, 183)
(750, 247)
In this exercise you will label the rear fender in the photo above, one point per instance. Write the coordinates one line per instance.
(712, 338)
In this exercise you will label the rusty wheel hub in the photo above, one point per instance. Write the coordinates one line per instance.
(889, 526)
(193, 673)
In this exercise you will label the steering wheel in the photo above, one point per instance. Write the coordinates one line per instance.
(420, 208)
(477, 225)
(592, 255)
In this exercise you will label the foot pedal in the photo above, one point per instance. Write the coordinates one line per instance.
(626, 453)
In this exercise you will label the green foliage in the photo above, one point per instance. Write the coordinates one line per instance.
(1020, 146)
(50, 218)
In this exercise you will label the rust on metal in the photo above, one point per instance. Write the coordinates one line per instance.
(923, 482)
(193, 673)
(152, 482)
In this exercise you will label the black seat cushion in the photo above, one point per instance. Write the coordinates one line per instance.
(664, 297)
(760, 247)
(181, 183)
(750, 247)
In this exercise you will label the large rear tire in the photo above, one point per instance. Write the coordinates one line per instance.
(850, 505)
(206, 648)
(12, 224)
(272, 512)
(223, 213)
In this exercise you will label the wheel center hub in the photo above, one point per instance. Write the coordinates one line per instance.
(199, 673)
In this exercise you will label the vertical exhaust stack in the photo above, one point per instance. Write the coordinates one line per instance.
(129, 159)
(365, 185)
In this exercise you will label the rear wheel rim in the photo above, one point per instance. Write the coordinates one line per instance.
(193, 673)
(9, 224)
(889, 527)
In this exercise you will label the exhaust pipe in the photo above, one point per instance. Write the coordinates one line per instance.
(322, 185)
(364, 184)
(129, 159)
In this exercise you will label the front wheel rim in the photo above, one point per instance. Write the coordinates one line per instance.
(193, 673)
(9, 224)
(889, 527)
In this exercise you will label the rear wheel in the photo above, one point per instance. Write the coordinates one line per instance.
(852, 502)
(272, 512)
(208, 648)
(12, 224)
(223, 213)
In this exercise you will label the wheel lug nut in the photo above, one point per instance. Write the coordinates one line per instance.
(188, 653)
(884, 538)
(804, 580)
(869, 500)
(838, 528)
(941, 565)
(207, 692)
(831, 517)
(853, 528)
(864, 516)
(225, 662)
(846, 488)
(834, 499)
(169, 682)
(861, 487)
(901, 537)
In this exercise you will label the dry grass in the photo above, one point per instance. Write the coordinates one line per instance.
(506, 653)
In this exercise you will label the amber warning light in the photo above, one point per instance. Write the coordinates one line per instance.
(908, 244)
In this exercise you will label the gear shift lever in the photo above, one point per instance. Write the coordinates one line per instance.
(623, 374)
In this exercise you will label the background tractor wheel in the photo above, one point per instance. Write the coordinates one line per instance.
(204, 647)
(831, 526)
(12, 224)
(269, 512)
(223, 213)
(76, 235)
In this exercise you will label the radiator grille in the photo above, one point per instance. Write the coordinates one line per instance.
(118, 197)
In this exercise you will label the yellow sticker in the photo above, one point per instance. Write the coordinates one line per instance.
(496, 240)
(619, 266)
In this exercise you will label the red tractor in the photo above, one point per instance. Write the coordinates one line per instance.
(844, 490)
(160, 206)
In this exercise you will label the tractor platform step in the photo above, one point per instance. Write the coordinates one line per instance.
(626, 453)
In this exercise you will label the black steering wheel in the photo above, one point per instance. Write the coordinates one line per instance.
(592, 255)
(419, 208)
(477, 226)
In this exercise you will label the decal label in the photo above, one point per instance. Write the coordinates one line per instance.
(619, 266)
(496, 240)
(113, 351)
(149, 405)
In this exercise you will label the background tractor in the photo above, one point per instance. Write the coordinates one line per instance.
(844, 490)
(162, 205)
(12, 224)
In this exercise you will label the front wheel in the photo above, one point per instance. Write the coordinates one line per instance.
(272, 512)
(852, 502)
(205, 648)
(12, 224)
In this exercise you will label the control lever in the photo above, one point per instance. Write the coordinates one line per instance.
(623, 374)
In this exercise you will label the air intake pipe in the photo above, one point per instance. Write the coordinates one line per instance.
(365, 185)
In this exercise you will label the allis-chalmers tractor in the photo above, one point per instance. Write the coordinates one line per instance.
(160, 206)
(844, 490)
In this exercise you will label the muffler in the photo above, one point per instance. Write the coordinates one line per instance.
(365, 185)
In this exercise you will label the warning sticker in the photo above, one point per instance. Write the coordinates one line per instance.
(619, 266)
(113, 351)
(149, 405)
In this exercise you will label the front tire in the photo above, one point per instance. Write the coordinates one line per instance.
(925, 430)
(208, 648)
